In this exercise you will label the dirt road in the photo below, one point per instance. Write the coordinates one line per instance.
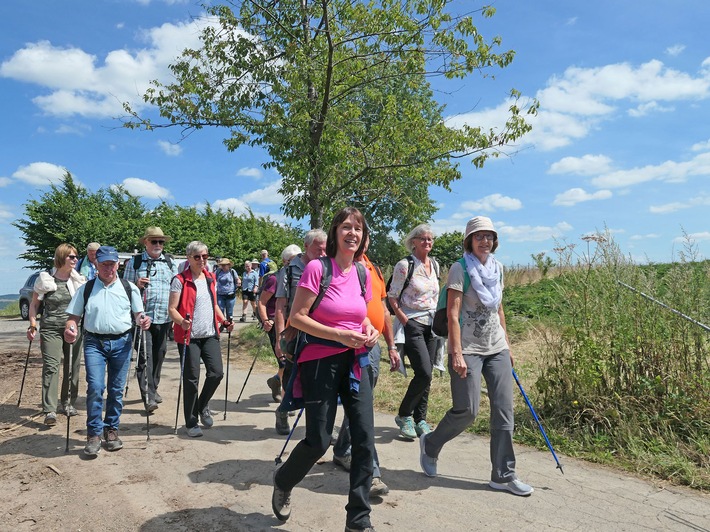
(222, 481)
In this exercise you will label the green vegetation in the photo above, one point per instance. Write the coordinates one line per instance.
(11, 310)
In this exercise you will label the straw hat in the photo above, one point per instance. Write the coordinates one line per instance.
(154, 232)
(224, 261)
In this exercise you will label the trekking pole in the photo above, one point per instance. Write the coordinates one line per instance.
(247, 379)
(66, 409)
(136, 332)
(24, 373)
(283, 449)
(182, 368)
(226, 383)
(537, 420)
(147, 410)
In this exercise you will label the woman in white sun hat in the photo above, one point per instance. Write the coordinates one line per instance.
(478, 346)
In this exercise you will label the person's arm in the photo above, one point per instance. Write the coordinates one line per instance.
(501, 317)
(300, 319)
(454, 300)
(388, 333)
(32, 329)
(280, 324)
(266, 323)
(398, 277)
(173, 303)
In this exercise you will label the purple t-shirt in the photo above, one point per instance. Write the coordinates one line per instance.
(270, 286)
(342, 306)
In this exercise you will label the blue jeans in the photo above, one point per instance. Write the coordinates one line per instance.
(226, 304)
(100, 355)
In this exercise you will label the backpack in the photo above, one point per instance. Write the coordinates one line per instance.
(89, 287)
(410, 272)
(440, 325)
(138, 260)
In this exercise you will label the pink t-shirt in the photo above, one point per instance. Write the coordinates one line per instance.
(342, 307)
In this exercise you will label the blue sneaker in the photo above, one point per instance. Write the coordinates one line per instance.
(406, 427)
(427, 463)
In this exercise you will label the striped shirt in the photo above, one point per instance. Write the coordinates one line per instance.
(157, 292)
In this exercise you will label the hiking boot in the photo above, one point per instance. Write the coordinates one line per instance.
(243, 319)
(281, 502)
(422, 427)
(343, 461)
(93, 445)
(275, 384)
(151, 406)
(516, 487)
(194, 432)
(378, 488)
(427, 463)
(206, 418)
(71, 411)
(282, 426)
(50, 419)
(113, 442)
(158, 399)
(350, 529)
(406, 427)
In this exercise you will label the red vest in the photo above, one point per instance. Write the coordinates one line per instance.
(187, 301)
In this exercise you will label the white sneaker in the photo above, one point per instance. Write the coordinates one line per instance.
(194, 432)
(516, 487)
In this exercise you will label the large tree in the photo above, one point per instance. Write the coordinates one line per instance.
(338, 93)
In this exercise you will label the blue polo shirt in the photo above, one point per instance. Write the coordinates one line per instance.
(108, 310)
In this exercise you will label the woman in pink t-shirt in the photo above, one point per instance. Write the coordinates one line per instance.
(334, 364)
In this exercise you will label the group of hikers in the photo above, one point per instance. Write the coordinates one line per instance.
(325, 311)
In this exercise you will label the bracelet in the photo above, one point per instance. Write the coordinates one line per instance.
(392, 347)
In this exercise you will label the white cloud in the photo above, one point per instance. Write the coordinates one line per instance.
(492, 203)
(231, 204)
(40, 174)
(677, 205)
(701, 146)
(668, 171)
(529, 233)
(5, 212)
(269, 195)
(170, 149)
(578, 195)
(644, 237)
(66, 129)
(585, 165)
(254, 173)
(145, 189)
(574, 103)
(675, 50)
(5, 181)
(693, 237)
(98, 88)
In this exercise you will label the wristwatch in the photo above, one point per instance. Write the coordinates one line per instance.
(392, 347)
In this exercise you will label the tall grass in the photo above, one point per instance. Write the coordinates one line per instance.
(622, 375)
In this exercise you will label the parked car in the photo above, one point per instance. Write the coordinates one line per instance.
(26, 296)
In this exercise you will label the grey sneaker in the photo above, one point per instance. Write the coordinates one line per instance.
(275, 384)
(93, 445)
(422, 427)
(71, 411)
(194, 432)
(206, 418)
(343, 461)
(50, 419)
(406, 427)
(113, 442)
(516, 487)
(158, 398)
(282, 426)
(281, 502)
(378, 488)
(427, 463)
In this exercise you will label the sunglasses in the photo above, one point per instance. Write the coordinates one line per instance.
(156, 242)
(198, 257)
(481, 237)
(72, 257)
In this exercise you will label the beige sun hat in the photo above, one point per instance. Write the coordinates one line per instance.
(154, 232)
(480, 223)
(224, 261)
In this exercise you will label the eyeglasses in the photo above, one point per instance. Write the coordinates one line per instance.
(156, 242)
(480, 237)
(198, 257)
(72, 257)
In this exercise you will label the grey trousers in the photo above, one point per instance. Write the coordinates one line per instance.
(466, 399)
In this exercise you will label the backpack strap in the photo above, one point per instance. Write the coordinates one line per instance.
(362, 277)
(325, 280)
(89, 287)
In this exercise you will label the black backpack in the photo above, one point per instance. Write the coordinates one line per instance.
(410, 271)
(138, 260)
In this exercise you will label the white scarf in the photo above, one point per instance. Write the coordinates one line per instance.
(485, 279)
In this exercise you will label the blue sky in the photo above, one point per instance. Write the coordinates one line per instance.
(621, 140)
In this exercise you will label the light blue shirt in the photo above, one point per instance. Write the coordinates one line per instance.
(250, 281)
(108, 310)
